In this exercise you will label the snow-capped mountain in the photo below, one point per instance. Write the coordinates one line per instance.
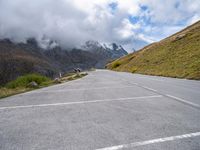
(104, 52)
(113, 49)
(50, 58)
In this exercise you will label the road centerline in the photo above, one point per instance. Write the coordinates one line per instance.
(80, 102)
(150, 89)
(83, 89)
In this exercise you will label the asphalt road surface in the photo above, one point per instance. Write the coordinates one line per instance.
(105, 110)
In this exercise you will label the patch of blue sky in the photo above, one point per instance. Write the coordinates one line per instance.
(133, 19)
(113, 5)
(143, 7)
(142, 17)
(177, 4)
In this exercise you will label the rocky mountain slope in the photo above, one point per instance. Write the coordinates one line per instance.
(175, 56)
(18, 58)
(104, 53)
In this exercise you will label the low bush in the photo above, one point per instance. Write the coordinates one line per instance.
(20, 85)
(133, 69)
(23, 81)
(116, 64)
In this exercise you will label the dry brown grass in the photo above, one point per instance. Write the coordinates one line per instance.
(5, 92)
(176, 56)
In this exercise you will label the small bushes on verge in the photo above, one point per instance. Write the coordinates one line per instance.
(116, 64)
(23, 81)
(133, 69)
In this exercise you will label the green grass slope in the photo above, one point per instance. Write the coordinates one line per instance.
(176, 56)
(22, 83)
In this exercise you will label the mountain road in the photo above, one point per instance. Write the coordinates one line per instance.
(105, 110)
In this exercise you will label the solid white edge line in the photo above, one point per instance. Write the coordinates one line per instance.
(150, 78)
(80, 102)
(159, 140)
(183, 101)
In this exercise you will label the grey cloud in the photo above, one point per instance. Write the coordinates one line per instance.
(59, 20)
(71, 23)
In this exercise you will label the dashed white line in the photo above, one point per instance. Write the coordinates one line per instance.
(135, 83)
(159, 140)
(80, 102)
(183, 101)
(80, 83)
(145, 87)
(83, 89)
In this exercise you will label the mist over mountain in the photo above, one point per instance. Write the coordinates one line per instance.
(50, 59)
(63, 21)
(113, 48)
(130, 23)
(48, 36)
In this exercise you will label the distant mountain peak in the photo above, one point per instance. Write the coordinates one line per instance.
(44, 43)
(95, 45)
(33, 42)
(92, 43)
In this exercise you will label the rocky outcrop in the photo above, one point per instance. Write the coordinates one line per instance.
(104, 52)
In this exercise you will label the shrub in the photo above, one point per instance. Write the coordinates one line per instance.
(23, 81)
(116, 64)
(133, 69)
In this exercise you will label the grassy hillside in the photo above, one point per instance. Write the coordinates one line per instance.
(175, 56)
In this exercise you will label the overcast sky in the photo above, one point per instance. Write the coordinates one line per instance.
(132, 23)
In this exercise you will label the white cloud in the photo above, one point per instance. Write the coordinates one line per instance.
(194, 19)
(129, 6)
(72, 23)
(126, 29)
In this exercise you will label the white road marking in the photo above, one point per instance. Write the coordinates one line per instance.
(83, 89)
(135, 83)
(81, 83)
(149, 88)
(183, 101)
(150, 78)
(159, 140)
(173, 97)
(80, 102)
(145, 87)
